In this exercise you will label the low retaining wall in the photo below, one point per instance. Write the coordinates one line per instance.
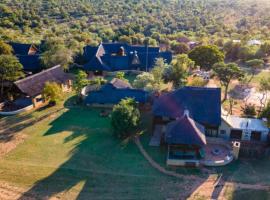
(95, 105)
(88, 89)
(218, 163)
(15, 112)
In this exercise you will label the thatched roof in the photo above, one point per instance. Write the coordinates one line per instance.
(33, 85)
(118, 83)
(185, 131)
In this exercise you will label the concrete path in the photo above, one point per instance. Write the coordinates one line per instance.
(156, 138)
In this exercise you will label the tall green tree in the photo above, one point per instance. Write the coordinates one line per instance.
(177, 72)
(226, 73)
(125, 118)
(254, 66)
(80, 82)
(206, 56)
(264, 89)
(5, 49)
(158, 72)
(10, 70)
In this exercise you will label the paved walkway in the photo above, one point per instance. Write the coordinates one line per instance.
(156, 138)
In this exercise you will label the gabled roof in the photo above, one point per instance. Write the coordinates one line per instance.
(30, 62)
(34, 85)
(22, 49)
(89, 52)
(204, 104)
(236, 122)
(105, 57)
(185, 131)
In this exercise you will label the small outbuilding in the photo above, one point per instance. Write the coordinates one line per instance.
(243, 129)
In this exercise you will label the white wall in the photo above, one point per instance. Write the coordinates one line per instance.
(227, 128)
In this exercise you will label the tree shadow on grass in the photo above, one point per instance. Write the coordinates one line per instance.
(82, 124)
(10, 126)
(98, 164)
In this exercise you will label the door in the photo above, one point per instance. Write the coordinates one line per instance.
(256, 135)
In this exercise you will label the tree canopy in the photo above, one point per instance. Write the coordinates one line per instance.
(10, 70)
(125, 118)
(53, 92)
(226, 73)
(177, 72)
(5, 49)
(206, 56)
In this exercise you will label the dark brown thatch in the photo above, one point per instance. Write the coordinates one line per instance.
(33, 85)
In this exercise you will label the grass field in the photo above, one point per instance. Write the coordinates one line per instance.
(74, 153)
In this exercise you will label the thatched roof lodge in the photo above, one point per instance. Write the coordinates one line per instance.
(33, 86)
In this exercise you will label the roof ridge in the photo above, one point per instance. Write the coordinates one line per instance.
(37, 74)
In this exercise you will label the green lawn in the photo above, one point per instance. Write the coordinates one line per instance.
(74, 153)
(247, 194)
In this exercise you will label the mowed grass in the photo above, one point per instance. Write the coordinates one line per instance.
(247, 194)
(74, 154)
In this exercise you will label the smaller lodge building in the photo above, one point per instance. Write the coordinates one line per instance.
(32, 86)
(113, 92)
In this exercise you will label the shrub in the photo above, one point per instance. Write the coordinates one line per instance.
(53, 92)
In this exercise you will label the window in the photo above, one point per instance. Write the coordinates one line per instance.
(211, 132)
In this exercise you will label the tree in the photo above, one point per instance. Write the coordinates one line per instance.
(5, 49)
(153, 80)
(265, 48)
(58, 55)
(254, 65)
(264, 88)
(158, 73)
(121, 76)
(206, 56)
(266, 113)
(226, 73)
(249, 110)
(246, 53)
(80, 82)
(231, 50)
(197, 82)
(53, 92)
(10, 70)
(144, 81)
(177, 72)
(125, 118)
(179, 47)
